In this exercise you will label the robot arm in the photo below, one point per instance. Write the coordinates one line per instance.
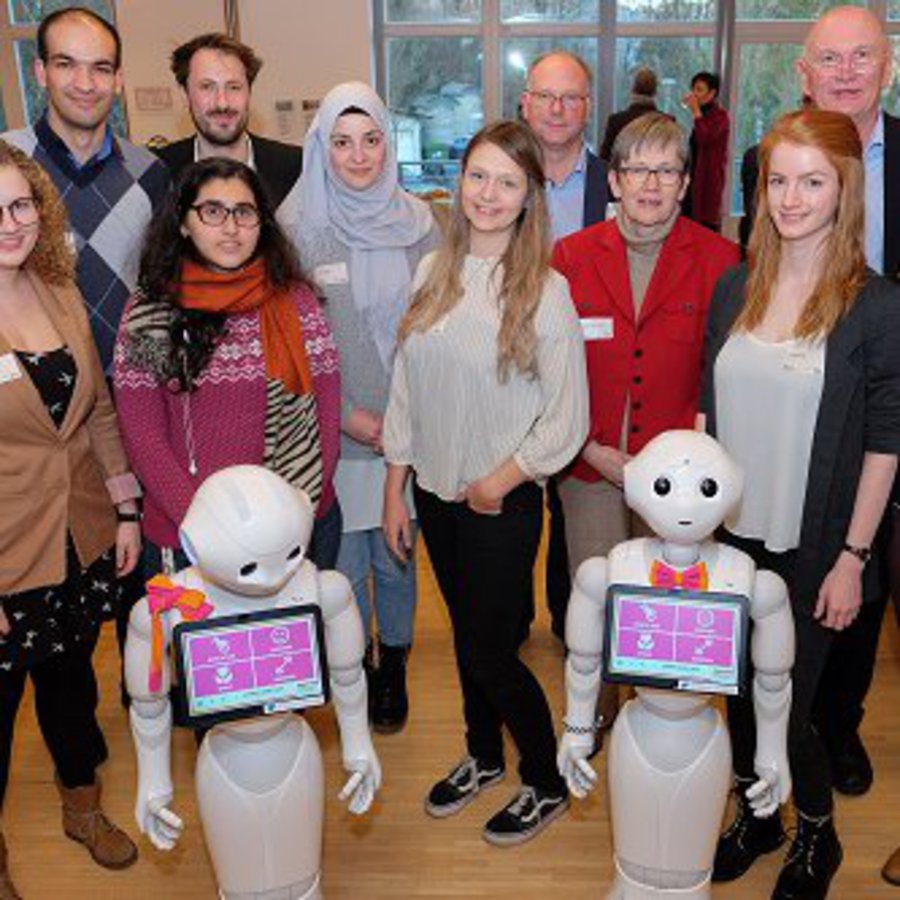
(151, 728)
(772, 652)
(346, 646)
(584, 641)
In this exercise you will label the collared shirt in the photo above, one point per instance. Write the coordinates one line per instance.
(80, 173)
(873, 158)
(566, 199)
(251, 159)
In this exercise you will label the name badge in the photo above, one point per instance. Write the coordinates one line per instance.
(599, 328)
(806, 360)
(9, 368)
(331, 273)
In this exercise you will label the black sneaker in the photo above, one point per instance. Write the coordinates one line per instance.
(461, 787)
(525, 816)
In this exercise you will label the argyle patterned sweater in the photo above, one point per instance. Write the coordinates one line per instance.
(110, 200)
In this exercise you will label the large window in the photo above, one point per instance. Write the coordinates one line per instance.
(447, 66)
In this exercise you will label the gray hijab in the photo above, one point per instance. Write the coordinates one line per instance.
(377, 224)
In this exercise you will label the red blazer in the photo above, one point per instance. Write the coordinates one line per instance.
(656, 359)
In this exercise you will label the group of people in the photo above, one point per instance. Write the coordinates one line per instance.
(252, 303)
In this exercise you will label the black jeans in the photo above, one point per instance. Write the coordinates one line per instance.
(807, 755)
(65, 699)
(484, 567)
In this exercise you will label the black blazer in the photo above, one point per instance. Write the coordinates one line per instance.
(596, 190)
(859, 412)
(278, 165)
(618, 120)
(750, 175)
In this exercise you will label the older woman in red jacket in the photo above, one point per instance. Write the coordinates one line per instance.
(642, 285)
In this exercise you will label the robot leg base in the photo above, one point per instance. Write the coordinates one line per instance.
(310, 889)
(626, 888)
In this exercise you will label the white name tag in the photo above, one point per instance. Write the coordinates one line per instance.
(331, 273)
(597, 329)
(807, 360)
(9, 368)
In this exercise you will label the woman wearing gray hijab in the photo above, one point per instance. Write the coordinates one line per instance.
(361, 236)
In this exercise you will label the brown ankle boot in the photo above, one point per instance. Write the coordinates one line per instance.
(7, 888)
(85, 822)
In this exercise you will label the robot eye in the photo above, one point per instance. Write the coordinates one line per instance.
(709, 487)
(248, 569)
(662, 486)
(294, 553)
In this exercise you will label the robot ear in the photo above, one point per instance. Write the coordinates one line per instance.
(187, 546)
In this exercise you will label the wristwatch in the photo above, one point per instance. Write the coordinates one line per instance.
(135, 516)
(863, 554)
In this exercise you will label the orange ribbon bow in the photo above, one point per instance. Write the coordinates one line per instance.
(163, 595)
(693, 578)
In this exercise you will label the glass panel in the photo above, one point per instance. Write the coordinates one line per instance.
(518, 54)
(667, 11)
(2, 116)
(892, 95)
(33, 96)
(550, 10)
(434, 92)
(436, 11)
(674, 59)
(893, 9)
(767, 86)
(27, 12)
(789, 9)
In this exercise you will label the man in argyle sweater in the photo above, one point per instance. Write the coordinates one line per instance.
(110, 187)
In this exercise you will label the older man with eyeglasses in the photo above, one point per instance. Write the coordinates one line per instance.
(556, 104)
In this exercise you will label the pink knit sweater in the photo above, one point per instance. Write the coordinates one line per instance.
(226, 412)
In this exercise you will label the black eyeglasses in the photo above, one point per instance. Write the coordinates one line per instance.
(23, 211)
(668, 176)
(214, 214)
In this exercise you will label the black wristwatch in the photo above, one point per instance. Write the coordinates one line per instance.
(135, 516)
(863, 554)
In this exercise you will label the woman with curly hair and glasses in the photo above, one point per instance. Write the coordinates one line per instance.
(68, 505)
(224, 357)
(488, 399)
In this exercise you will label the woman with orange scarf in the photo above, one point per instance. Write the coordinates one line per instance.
(224, 357)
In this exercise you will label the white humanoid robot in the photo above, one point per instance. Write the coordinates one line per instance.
(259, 780)
(669, 756)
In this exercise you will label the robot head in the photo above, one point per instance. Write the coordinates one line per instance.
(247, 530)
(683, 485)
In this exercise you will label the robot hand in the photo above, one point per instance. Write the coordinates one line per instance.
(768, 793)
(364, 781)
(162, 826)
(571, 760)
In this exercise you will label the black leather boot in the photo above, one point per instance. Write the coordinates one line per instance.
(371, 669)
(390, 706)
(811, 862)
(746, 839)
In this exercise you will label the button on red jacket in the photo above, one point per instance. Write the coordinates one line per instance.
(657, 358)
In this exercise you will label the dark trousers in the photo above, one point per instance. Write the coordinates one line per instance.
(484, 567)
(558, 580)
(65, 699)
(807, 755)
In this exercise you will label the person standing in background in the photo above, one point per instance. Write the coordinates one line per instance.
(709, 151)
(643, 100)
(556, 104)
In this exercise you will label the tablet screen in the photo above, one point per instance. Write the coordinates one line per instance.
(250, 664)
(676, 639)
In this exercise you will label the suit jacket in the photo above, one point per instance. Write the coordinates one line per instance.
(596, 190)
(618, 120)
(656, 358)
(750, 175)
(859, 412)
(278, 165)
(58, 481)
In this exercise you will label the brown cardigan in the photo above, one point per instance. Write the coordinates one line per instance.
(54, 480)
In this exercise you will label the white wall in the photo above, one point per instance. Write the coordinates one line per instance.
(307, 47)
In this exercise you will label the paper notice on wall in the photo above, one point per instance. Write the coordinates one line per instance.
(310, 108)
(285, 117)
(153, 99)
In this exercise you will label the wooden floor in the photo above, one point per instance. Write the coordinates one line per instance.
(397, 851)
